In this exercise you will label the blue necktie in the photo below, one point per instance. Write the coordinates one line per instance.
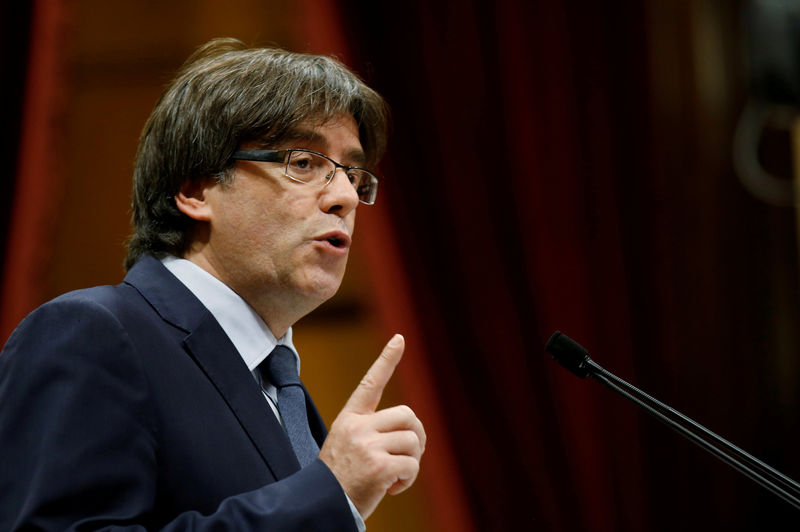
(280, 368)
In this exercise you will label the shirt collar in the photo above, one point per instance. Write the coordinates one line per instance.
(249, 334)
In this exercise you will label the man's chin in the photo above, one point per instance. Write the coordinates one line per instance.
(322, 287)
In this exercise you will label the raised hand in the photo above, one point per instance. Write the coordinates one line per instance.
(371, 452)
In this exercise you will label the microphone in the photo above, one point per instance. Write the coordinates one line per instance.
(575, 358)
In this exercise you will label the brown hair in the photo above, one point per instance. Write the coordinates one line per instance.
(224, 95)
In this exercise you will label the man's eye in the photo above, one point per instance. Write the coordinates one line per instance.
(301, 162)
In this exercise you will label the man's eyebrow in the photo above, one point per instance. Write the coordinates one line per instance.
(357, 158)
(354, 157)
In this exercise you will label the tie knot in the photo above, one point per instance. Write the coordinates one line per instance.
(280, 367)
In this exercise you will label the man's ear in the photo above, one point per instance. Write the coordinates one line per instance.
(192, 199)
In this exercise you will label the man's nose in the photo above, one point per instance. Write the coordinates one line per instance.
(339, 194)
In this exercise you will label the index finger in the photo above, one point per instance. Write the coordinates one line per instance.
(367, 395)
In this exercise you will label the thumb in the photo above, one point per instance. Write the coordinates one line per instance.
(367, 395)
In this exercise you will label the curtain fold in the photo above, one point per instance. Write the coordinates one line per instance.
(15, 20)
(38, 179)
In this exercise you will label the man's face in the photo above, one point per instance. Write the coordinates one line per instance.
(280, 244)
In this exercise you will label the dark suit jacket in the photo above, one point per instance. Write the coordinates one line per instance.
(127, 406)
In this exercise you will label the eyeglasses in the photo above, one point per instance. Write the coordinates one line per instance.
(313, 168)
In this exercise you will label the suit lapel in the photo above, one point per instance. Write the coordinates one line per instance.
(224, 367)
(210, 348)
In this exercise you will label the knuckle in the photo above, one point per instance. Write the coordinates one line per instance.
(412, 439)
(410, 470)
(367, 382)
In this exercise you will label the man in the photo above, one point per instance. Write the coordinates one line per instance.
(171, 401)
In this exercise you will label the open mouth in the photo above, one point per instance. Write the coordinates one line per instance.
(336, 242)
(337, 239)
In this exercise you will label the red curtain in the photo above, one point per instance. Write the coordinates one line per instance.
(31, 213)
(534, 184)
(14, 28)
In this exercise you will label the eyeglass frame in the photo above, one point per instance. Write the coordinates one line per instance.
(284, 156)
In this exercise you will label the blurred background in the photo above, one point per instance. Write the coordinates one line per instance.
(620, 171)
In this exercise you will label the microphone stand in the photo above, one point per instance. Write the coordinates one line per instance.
(576, 359)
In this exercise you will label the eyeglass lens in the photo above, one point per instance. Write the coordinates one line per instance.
(315, 169)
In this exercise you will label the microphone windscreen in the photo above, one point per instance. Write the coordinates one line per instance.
(568, 353)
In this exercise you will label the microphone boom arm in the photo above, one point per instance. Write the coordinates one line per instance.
(576, 359)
